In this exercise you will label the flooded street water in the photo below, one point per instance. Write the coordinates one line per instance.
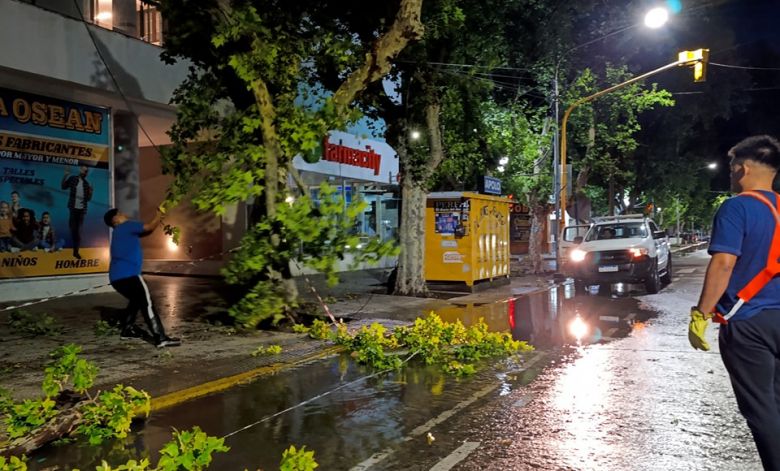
(624, 391)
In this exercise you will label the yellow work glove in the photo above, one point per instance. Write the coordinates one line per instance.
(696, 329)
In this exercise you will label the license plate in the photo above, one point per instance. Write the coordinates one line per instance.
(608, 268)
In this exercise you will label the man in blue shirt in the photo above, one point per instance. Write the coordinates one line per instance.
(124, 273)
(742, 235)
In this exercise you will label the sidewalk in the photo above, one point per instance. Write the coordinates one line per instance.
(210, 352)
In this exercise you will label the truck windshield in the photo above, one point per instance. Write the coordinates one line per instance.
(625, 230)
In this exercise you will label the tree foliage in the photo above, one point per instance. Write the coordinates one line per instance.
(603, 133)
(255, 99)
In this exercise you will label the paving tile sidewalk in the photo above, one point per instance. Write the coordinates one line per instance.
(209, 352)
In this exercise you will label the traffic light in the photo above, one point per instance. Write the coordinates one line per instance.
(698, 59)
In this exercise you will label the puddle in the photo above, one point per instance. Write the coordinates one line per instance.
(344, 428)
(348, 426)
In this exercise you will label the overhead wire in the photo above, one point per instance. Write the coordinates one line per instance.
(742, 67)
(113, 77)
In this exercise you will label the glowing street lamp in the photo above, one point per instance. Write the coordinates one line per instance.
(656, 18)
(712, 165)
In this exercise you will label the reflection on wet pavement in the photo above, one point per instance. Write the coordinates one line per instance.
(618, 396)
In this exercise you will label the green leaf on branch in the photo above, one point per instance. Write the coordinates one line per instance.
(298, 460)
(67, 368)
(190, 450)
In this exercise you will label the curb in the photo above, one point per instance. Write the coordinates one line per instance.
(689, 248)
(221, 384)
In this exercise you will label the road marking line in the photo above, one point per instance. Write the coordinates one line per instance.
(221, 384)
(685, 271)
(456, 456)
(609, 318)
(675, 279)
(376, 458)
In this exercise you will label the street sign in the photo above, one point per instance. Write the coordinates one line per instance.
(491, 186)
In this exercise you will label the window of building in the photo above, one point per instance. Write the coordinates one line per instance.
(131, 17)
(150, 23)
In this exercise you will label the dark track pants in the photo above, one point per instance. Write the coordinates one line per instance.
(137, 293)
(75, 222)
(750, 349)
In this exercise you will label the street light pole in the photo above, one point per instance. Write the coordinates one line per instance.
(556, 177)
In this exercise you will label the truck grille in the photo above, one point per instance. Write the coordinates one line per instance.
(608, 257)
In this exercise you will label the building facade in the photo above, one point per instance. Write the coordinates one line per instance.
(84, 110)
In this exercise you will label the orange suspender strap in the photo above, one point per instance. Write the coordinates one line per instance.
(772, 267)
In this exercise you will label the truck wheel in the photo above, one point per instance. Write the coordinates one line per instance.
(653, 282)
(667, 278)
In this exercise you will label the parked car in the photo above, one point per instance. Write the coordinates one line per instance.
(622, 249)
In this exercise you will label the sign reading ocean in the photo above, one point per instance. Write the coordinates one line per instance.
(54, 186)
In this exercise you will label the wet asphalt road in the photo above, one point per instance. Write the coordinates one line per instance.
(632, 395)
(643, 402)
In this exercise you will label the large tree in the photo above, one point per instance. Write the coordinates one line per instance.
(603, 132)
(260, 92)
(436, 117)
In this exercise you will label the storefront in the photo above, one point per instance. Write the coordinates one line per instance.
(359, 168)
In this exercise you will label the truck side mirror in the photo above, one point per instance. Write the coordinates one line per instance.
(659, 234)
(578, 240)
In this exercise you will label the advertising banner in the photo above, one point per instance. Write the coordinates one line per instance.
(54, 186)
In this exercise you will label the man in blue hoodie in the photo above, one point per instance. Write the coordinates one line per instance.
(124, 273)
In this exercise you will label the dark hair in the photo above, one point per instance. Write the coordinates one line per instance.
(108, 218)
(23, 211)
(15, 192)
(762, 149)
(45, 213)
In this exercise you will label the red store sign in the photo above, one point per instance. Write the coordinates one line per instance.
(349, 156)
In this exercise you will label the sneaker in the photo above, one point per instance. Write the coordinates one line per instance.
(168, 342)
(131, 332)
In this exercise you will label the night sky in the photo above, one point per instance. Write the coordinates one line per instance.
(736, 102)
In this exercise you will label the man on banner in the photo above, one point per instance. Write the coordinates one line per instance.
(80, 194)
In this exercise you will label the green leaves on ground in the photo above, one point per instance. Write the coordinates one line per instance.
(111, 413)
(297, 460)
(319, 329)
(34, 323)
(267, 351)
(107, 416)
(13, 463)
(190, 450)
(66, 367)
(28, 415)
(104, 329)
(449, 344)
(131, 465)
(369, 345)
(455, 346)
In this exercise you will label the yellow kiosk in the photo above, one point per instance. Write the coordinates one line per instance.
(466, 238)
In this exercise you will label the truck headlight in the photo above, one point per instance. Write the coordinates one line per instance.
(637, 252)
(577, 255)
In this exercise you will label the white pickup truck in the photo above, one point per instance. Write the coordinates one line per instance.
(618, 249)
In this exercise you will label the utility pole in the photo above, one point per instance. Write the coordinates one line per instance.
(679, 241)
(556, 175)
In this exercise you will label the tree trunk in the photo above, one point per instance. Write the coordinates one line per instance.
(539, 212)
(411, 261)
